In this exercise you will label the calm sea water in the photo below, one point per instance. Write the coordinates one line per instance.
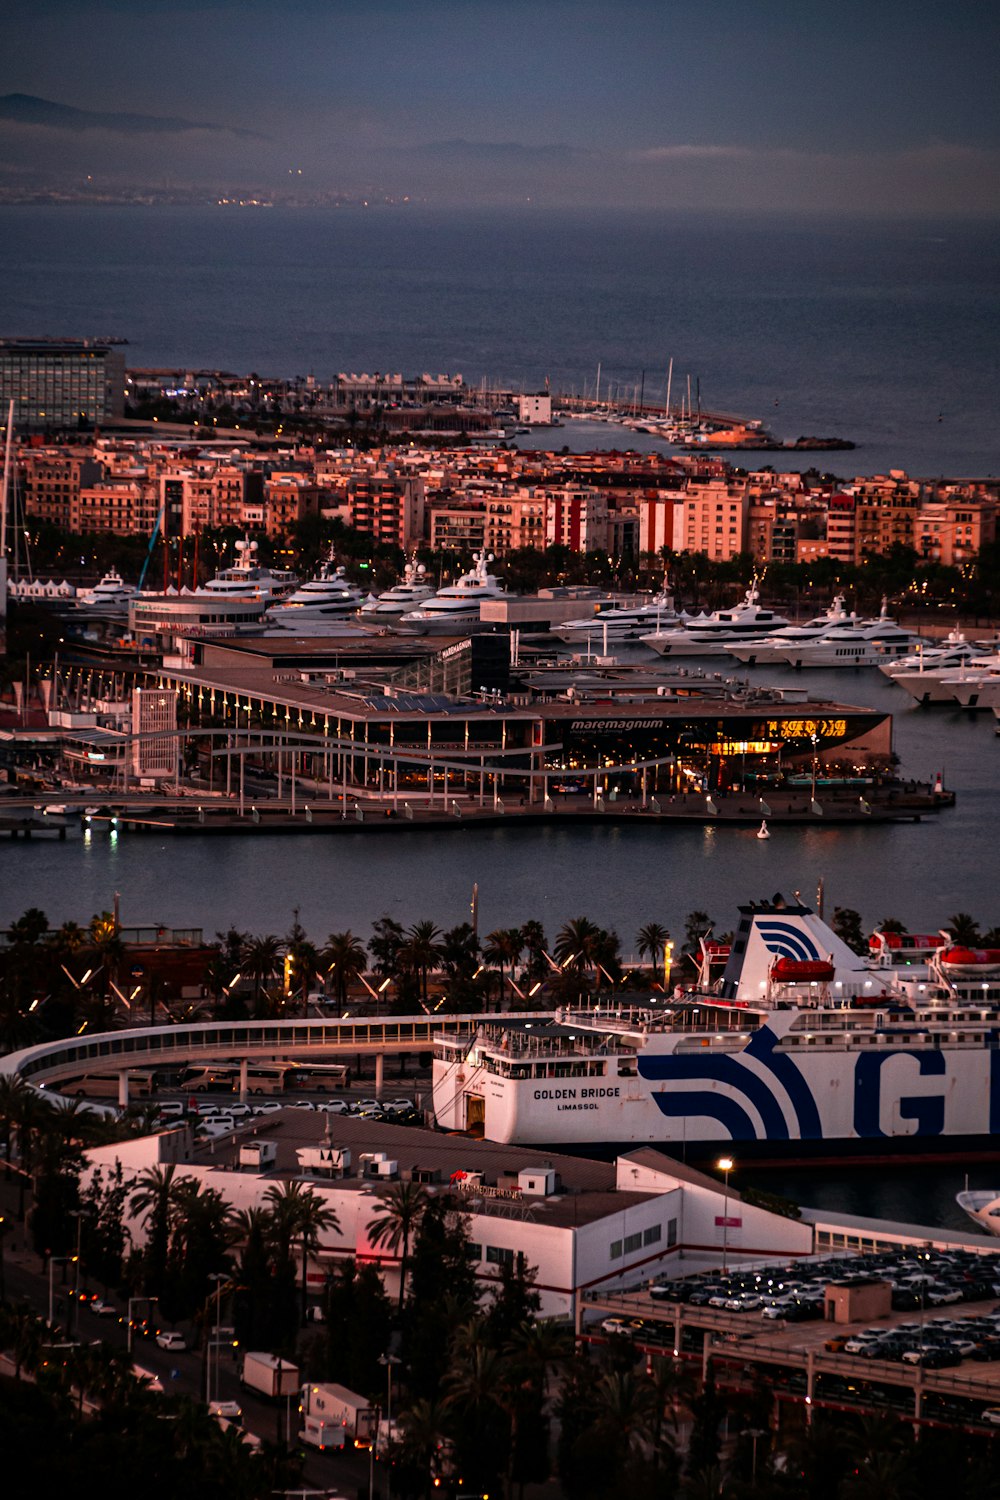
(879, 333)
(883, 334)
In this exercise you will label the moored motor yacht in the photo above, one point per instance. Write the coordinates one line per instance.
(714, 634)
(854, 643)
(412, 590)
(621, 622)
(766, 650)
(110, 593)
(455, 609)
(246, 579)
(925, 674)
(327, 598)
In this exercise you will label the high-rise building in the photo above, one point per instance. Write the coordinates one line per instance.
(63, 384)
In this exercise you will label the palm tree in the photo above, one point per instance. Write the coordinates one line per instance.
(261, 959)
(297, 1210)
(154, 1197)
(12, 1093)
(501, 947)
(395, 1222)
(651, 941)
(627, 1408)
(422, 951)
(426, 1428)
(964, 929)
(576, 942)
(346, 957)
(533, 939)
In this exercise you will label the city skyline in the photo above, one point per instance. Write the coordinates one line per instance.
(838, 109)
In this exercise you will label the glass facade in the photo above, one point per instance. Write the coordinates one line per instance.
(61, 385)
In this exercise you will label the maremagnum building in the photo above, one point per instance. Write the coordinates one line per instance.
(391, 719)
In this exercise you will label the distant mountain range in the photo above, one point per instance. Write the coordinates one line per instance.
(29, 109)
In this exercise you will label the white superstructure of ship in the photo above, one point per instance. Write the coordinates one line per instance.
(328, 600)
(927, 673)
(855, 643)
(769, 649)
(411, 592)
(630, 622)
(247, 579)
(800, 1049)
(455, 609)
(715, 634)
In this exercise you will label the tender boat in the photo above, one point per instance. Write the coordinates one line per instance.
(982, 1206)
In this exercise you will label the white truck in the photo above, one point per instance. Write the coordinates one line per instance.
(333, 1416)
(269, 1376)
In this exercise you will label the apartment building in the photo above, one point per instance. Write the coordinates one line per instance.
(388, 507)
(712, 518)
(953, 531)
(578, 519)
(49, 482)
(114, 505)
(515, 520)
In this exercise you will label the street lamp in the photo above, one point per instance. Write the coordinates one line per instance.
(388, 1360)
(221, 1278)
(725, 1164)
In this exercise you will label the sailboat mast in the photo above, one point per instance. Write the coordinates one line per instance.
(6, 480)
(670, 378)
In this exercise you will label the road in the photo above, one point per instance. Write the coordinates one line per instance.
(180, 1371)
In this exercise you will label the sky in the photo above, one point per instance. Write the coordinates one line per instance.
(870, 106)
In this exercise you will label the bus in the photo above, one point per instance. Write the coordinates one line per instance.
(142, 1083)
(269, 1078)
(198, 1079)
(321, 1078)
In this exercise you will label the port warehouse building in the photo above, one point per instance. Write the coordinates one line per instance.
(445, 724)
(581, 1225)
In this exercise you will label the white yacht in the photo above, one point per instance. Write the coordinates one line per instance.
(621, 622)
(110, 593)
(976, 685)
(764, 651)
(329, 598)
(855, 643)
(246, 579)
(717, 633)
(455, 609)
(412, 591)
(982, 1206)
(922, 674)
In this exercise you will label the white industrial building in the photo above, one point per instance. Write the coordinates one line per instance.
(582, 1225)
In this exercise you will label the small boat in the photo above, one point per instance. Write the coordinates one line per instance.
(802, 971)
(763, 832)
(959, 960)
(982, 1206)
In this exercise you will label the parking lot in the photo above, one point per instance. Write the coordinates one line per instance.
(935, 1355)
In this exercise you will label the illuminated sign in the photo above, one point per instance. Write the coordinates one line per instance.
(743, 747)
(613, 726)
(804, 729)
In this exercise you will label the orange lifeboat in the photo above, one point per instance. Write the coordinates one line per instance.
(958, 960)
(802, 971)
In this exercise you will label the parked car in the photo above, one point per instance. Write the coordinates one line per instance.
(171, 1340)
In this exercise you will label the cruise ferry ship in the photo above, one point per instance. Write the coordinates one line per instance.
(799, 1049)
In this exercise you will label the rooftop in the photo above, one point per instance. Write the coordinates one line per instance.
(588, 1190)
